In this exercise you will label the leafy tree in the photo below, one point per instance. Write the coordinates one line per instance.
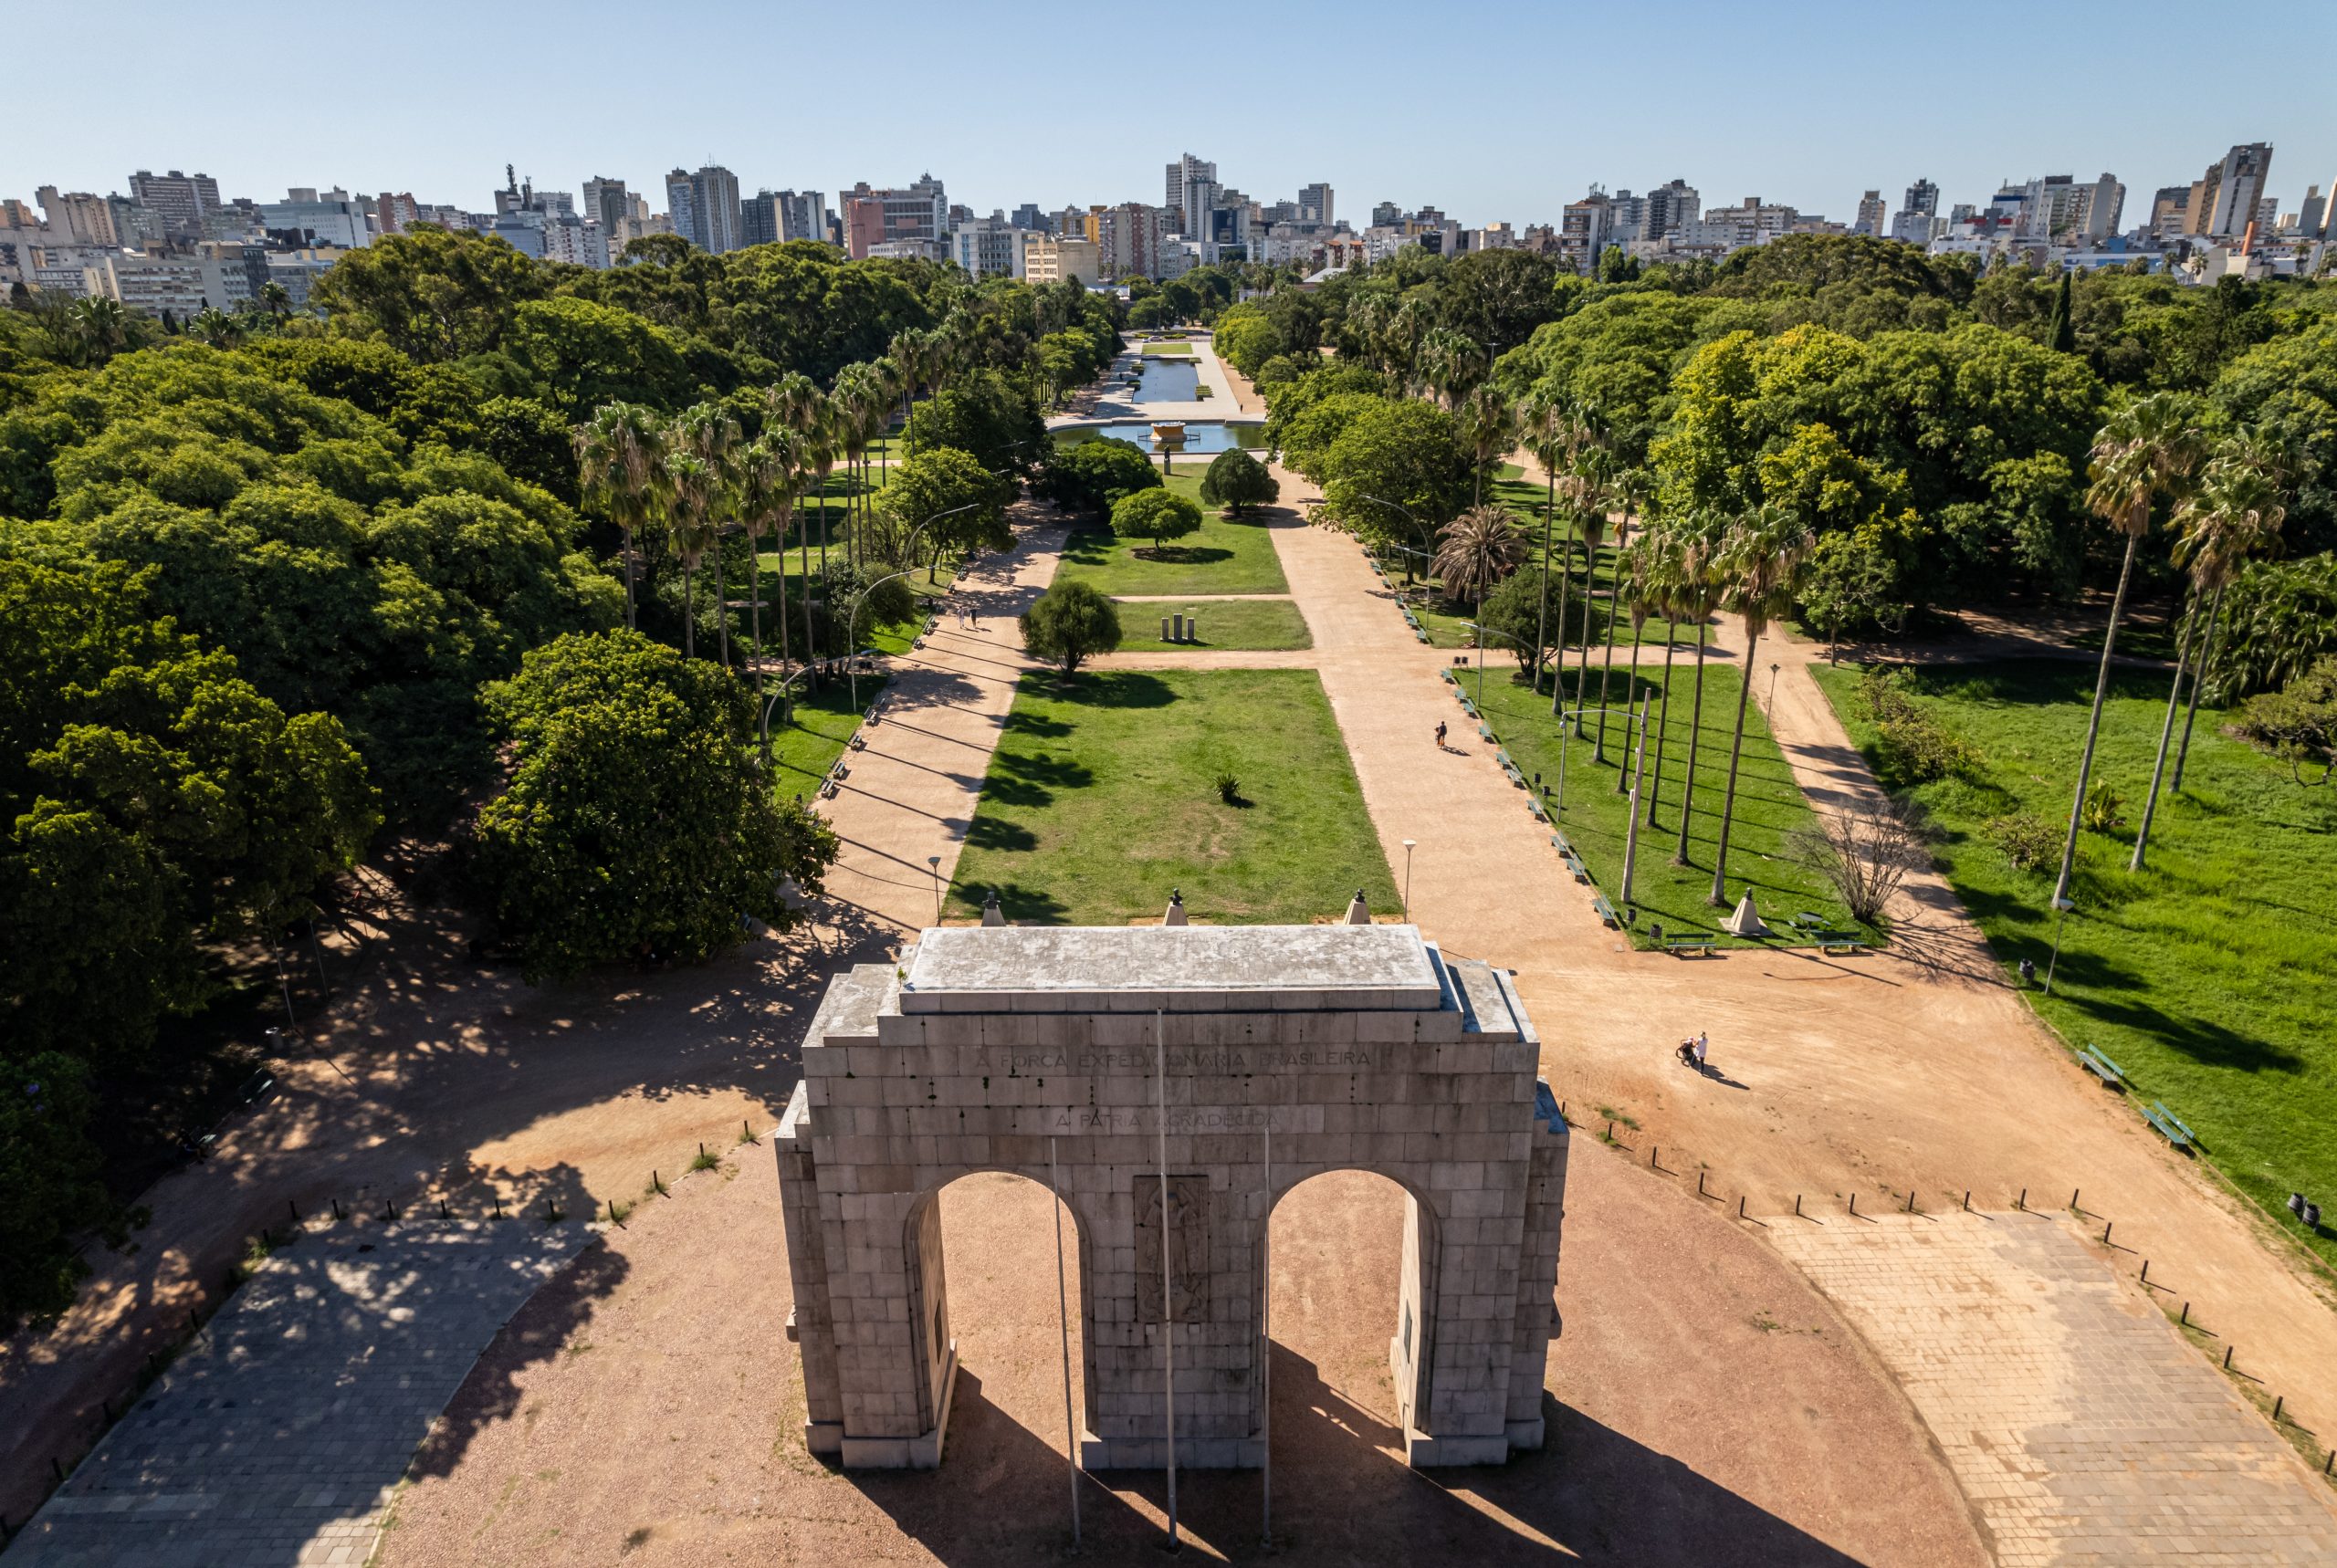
(1235, 480)
(1396, 472)
(431, 293)
(1246, 340)
(48, 1168)
(579, 355)
(1068, 623)
(958, 505)
(633, 824)
(2298, 724)
(1092, 475)
(1498, 297)
(987, 415)
(2283, 616)
(1155, 514)
(1516, 611)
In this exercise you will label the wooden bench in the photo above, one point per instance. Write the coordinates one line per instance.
(1582, 872)
(1536, 807)
(1484, 731)
(1418, 635)
(1832, 945)
(2172, 1124)
(2175, 1133)
(1681, 946)
(1449, 678)
(2100, 1066)
(1559, 842)
(1607, 912)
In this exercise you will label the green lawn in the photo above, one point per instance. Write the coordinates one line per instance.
(2210, 977)
(1101, 798)
(1171, 350)
(823, 721)
(1769, 805)
(1246, 623)
(1227, 555)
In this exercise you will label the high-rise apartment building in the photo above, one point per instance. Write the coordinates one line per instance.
(609, 204)
(1314, 205)
(1191, 192)
(1671, 207)
(178, 199)
(2311, 215)
(1918, 214)
(990, 246)
(395, 213)
(307, 217)
(803, 215)
(1029, 216)
(917, 213)
(2222, 202)
(78, 215)
(1872, 210)
(704, 207)
(1386, 214)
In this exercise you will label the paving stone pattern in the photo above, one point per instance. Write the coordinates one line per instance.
(276, 1436)
(2081, 1426)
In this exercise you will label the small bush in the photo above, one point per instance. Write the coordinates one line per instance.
(2027, 841)
(1229, 788)
(2105, 810)
(1917, 748)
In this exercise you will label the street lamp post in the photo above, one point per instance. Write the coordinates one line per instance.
(1408, 845)
(1772, 696)
(935, 862)
(2062, 907)
(1639, 773)
(1629, 717)
(1406, 514)
(1484, 631)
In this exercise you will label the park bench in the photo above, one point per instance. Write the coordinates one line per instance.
(1418, 635)
(1613, 920)
(1833, 944)
(2168, 1124)
(1484, 731)
(1582, 872)
(1536, 807)
(1559, 843)
(1449, 678)
(1681, 946)
(2100, 1066)
(859, 741)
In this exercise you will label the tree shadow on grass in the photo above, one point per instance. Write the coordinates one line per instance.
(1022, 721)
(988, 832)
(1118, 689)
(1022, 905)
(1183, 555)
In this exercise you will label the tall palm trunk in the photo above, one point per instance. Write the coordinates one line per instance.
(721, 602)
(689, 609)
(1735, 752)
(1695, 735)
(624, 537)
(2093, 722)
(755, 610)
(1589, 581)
(2166, 732)
(1662, 718)
(2198, 679)
(1559, 659)
(1541, 621)
(1631, 695)
(803, 565)
(1614, 612)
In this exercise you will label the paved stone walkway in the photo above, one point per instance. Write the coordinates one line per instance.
(910, 794)
(2081, 1428)
(277, 1435)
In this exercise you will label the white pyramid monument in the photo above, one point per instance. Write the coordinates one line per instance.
(1747, 921)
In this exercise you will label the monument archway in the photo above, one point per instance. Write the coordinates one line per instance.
(1181, 1078)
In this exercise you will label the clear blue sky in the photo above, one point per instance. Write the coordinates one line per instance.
(1491, 111)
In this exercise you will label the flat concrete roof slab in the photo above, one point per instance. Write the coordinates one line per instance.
(1187, 969)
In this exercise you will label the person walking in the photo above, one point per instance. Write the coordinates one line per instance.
(1439, 734)
(1702, 1045)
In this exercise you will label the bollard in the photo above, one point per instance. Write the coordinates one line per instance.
(2328, 1463)
(1700, 1185)
(441, 1210)
(2228, 1350)
(1192, 629)
(2021, 1202)
(1652, 1150)
(1910, 1200)
(1797, 1206)
(1967, 1200)
(2186, 1319)
(2105, 1230)
(2073, 1199)
(336, 1210)
(701, 1148)
(151, 1370)
(1740, 1206)
(1854, 1203)
(295, 1209)
(1164, 630)
(2277, 1400)
(1611, 1131)
(2146, 1270)
(499, 1204)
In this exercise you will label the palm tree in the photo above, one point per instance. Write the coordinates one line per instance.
(765, 478)
(1763, 564)
(2236, 512)
(276, 300)
(1475, 551)
(707, 433)
(802, 409)
(102, 327)
(2147, 450)
(857, 399)
(1627, 489)
(1488, 424)
(215, 326)
(1588, 483)
(1696, 541)
(1547, 428)
(1664, 564)
(1449, 364)
(2276, 458)
(618, 454)
(689, 488)
(1638, 561)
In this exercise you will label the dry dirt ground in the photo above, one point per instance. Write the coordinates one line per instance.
(1707, 1408)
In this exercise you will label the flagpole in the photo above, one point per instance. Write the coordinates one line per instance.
(1063, 1315)
(1167, 1284)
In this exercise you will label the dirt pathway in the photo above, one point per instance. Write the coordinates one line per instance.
(1916, 1069)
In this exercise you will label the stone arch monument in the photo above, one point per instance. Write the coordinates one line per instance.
(1318, 1047)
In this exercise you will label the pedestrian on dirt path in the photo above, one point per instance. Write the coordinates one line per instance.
(1702, 1045)
(1439, 734)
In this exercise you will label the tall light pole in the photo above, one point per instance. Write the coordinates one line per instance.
(1408, 845)
(935, 862)
(1484, 631)
(2062, 907)
(1405, 513)
(1639, 773)
(1772, 696)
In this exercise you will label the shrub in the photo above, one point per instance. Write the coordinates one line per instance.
(1069, 621)
(1094, 474)
(1155, 514)
(2027, 841)
(1229, 788)
(1235, 480)
(1917, 746)
(2298, 724)
(2105, 810)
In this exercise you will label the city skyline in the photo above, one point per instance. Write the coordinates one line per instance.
(1482, 155)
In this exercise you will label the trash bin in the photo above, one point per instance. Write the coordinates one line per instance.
(2028, 971)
